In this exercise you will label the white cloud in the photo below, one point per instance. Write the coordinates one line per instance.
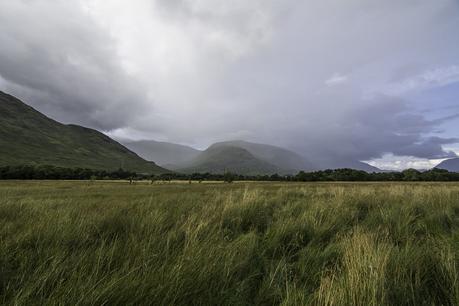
(336, 79)
(428, 79)
(398, 163)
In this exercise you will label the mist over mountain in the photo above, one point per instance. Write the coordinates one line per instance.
(28, 137)
(237, 156)
(163, 153)
(284, 159)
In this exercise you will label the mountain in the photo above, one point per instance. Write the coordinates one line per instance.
(244, 157)
(285, 160)
(289, 162)
(221, 158)
(352, 164)
(265, 159)
(251, 158)
(451, 165)
(358, 165)
(163, 153)
(29, 137)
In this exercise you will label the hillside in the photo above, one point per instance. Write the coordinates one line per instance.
(352, 164)
(221, 158)
(163, 153)
(287, 161)
(29, 137)
(451, 165)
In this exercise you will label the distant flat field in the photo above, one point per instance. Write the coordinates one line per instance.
(246, 243)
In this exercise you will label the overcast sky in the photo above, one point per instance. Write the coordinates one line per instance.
(373, 80)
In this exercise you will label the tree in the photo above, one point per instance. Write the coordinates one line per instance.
(228, 177)
(411, 175)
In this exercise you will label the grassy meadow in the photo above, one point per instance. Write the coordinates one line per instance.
(111, 243)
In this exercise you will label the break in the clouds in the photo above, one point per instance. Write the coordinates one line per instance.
(335, 80)
(438, 77)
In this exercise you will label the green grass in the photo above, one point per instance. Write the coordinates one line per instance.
(111, 243)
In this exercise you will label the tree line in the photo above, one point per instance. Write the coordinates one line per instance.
(32, 172)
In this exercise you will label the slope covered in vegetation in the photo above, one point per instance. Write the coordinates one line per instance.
(29, 137)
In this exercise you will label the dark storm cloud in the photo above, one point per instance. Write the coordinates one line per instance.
(331, 79)
(56, 58)
(381, 126)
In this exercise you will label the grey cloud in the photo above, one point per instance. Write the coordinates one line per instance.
(202, 71)
(60, 61)
(380, 126)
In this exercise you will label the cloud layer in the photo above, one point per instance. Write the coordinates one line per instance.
(334, 80)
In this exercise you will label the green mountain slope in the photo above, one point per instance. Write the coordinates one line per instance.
(219, 159)
(29, 137)
(287, 161)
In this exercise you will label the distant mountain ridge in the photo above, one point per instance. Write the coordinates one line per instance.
(254, 158)
(258, 158)
(351, 164)
(29, 137)
(451, 165)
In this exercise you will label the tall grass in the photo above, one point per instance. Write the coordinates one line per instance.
(111, 243)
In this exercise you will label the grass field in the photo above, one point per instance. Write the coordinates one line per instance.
(96, 243)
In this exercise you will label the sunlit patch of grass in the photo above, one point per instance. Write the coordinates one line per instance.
(359, 279)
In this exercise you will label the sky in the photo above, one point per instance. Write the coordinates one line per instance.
(368, 80)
